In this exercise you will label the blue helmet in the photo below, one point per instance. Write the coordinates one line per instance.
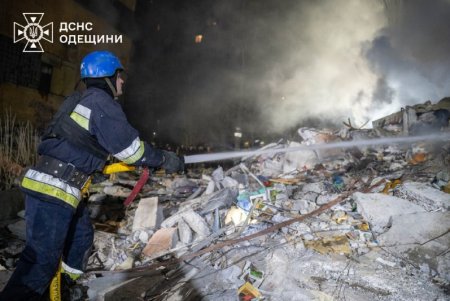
(100, 64)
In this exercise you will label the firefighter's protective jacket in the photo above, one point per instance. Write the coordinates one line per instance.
(103, 117)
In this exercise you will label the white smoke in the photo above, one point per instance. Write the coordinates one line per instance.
(330, 78)
(268, 66)
(411, 54)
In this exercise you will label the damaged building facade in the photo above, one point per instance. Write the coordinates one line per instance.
(33, 85)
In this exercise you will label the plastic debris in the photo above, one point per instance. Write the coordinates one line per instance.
(248, 292)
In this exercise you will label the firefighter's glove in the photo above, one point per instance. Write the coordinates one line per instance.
(172, 163)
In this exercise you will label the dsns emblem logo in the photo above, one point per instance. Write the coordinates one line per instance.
(33, 32)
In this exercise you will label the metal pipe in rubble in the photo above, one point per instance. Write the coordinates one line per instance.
(200, 158)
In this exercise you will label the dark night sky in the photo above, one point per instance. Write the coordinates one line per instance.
(268, 66)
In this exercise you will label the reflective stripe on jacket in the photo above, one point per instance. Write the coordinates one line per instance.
(105, 120)
(46, 184)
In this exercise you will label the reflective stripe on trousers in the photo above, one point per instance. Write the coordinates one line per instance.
(53, 232)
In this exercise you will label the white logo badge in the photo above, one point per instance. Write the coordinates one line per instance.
(33, 32)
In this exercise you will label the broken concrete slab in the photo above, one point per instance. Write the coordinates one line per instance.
(422, 236)
(218, 174)
(172, 220)
(144, 236)
(196, 223)
(311, 196)
(301, 206)
(210, 188)
(378, 208)
(423, 195)
(367, 280)
(19, 229)
(314, 187)
(162, 241)
(192, 219)
(325, 199)
(184, 232)
(148, 214)
(117, 191)
(97, 197)
(220, 199)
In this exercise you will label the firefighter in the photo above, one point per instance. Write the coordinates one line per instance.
(88, 128)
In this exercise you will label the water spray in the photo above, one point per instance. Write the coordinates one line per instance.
(444, 137)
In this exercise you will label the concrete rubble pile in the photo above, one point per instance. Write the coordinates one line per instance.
(384, 235)
(387, 239)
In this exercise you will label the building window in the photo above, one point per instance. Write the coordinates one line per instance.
(24, 69)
